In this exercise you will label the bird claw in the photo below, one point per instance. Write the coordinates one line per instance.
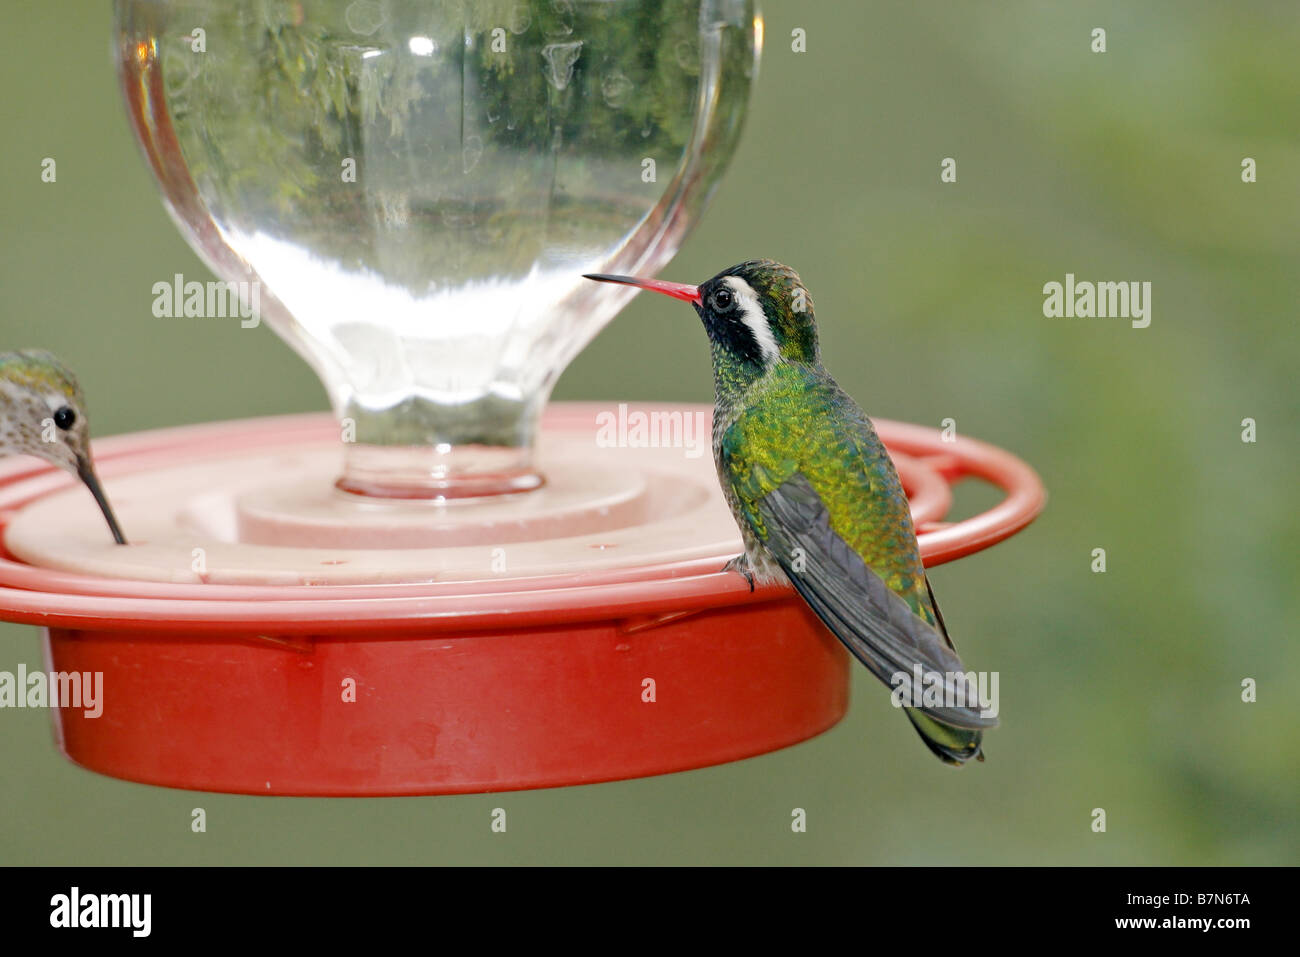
(740, 565)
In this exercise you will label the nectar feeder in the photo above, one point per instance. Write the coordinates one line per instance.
(473, 593)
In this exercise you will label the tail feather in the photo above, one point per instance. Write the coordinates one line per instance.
(951, 745)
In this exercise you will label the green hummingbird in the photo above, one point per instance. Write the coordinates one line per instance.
(817, 498)
(43, 413)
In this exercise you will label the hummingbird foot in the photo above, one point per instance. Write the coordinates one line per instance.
(740, 565)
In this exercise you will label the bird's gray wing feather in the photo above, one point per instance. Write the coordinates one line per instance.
(874, 622)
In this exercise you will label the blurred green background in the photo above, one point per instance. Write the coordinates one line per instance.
(1119, 690)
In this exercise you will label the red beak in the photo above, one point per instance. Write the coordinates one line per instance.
(677, 290)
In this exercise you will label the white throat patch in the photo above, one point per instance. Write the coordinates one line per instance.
(751, 314)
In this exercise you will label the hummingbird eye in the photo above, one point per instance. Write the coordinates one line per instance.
(723, 299)
(64, 418)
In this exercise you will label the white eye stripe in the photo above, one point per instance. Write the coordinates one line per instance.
(752, 315)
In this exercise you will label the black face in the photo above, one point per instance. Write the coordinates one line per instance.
(720, 309)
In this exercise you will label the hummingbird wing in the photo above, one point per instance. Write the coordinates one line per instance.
(872, 620)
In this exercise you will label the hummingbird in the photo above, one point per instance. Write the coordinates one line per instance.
(43, 413)
(817, 498)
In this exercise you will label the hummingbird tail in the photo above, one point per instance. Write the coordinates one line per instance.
(877, 624)
(951, 745)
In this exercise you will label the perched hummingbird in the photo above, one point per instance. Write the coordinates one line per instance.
(816, 495)
(43, 413)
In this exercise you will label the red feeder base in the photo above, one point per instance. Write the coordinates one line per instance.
(450, 713)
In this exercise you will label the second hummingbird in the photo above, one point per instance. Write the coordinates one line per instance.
(43, 413)
(816, 495)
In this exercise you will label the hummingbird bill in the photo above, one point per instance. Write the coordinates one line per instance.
(817, 498)
(43, 413)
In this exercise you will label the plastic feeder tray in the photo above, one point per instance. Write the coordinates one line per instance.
(306, 655)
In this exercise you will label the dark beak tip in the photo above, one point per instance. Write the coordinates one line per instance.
(86, 472)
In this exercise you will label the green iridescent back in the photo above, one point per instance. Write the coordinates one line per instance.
(795, 419)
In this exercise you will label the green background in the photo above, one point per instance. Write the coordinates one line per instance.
(1119, 690)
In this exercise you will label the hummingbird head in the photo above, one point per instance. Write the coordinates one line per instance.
(757, 313)
(42, 413)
